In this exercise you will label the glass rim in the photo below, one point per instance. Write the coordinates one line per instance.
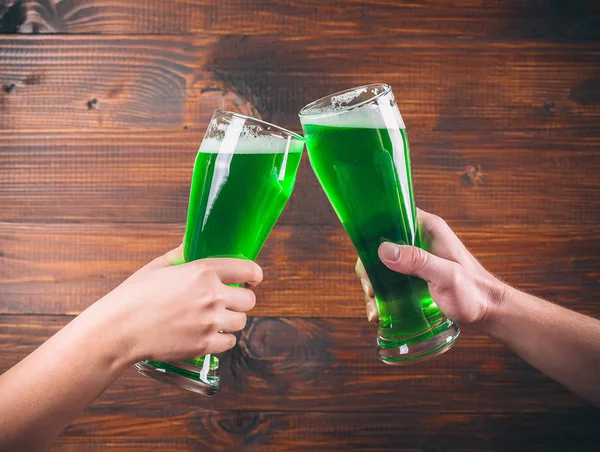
(304, 112)
(228, 113)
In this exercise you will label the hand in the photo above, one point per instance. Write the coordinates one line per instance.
(172, 312)
(459, 285)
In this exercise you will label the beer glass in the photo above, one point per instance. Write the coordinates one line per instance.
(243, 176)
(358, 148)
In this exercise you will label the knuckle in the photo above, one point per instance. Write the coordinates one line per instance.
(210, 316)
(456, 278)
(210, 319)
(213, 297)
(213, 294)
(418, 258)
(204, 271)
(438, 223)
(218, 298)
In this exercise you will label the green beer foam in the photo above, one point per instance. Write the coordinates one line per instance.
(252, 145)
(380, 114)
(371, 116)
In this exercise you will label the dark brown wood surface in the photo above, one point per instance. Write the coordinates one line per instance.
(60, 268)
(315, 383)
(541, 19)
(103, 105)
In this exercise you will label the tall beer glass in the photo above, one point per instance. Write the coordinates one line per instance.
(243, 176)
(358, 148)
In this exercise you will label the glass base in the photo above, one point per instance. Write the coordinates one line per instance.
(204, 381)
(434, 342)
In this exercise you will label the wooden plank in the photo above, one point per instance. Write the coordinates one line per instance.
(62, 268)
(541, 19)
(97, 137)
(326, 365)
(159, 82)
(482, 179)
(91, 83)
(441, 85)
(275, 431)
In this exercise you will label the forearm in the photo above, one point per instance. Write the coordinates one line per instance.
(563, 344)
(45, 391)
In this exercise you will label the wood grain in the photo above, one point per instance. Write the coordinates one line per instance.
(159, 83)
(540, 19)
(62, 268)
(98, 84)
(482, 179)
(103, 104)
(326, 365)
(205, 430)
(442, 85)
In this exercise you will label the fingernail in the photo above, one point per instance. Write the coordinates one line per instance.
(390, 252)
(371, 312)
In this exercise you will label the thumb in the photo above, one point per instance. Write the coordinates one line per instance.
(173, 257)
(411, 260)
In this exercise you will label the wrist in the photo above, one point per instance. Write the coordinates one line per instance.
(500, 297)
(106, 333)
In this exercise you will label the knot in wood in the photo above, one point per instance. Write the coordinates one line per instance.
(8, 88)
(473, 176)
(92, 103)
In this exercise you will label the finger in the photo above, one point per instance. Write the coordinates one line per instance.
(173, 257)
(437, 230)
(372, 311)
(441, 240)
(411, 260)
(238, 299)
(230, 321)
(367, 288)
(364, 279)
(220, 342)
(235, 271)
(360, 271)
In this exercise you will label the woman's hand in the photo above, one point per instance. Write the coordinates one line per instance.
(172, 312)
(162, 312)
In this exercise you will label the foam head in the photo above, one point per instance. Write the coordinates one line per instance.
(264, 144)
(239, 135)
(347, 110)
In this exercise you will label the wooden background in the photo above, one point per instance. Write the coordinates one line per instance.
(103, 104)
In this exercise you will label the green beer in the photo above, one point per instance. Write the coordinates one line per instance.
(244, 174)
(359, 150)
(237, 197)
